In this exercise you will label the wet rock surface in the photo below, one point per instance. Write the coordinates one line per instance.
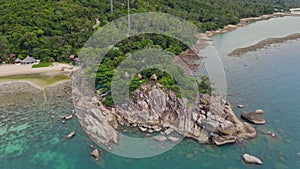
(12, 91)
(253, 117)
(61, 90)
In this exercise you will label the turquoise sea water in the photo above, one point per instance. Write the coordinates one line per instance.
(31, 134)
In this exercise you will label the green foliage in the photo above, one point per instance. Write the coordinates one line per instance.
(205, 86)
(42, 64)
(4, 50)
(53, 30)
(108, 101)
(135, 83)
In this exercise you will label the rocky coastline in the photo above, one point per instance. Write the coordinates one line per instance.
(210, 120)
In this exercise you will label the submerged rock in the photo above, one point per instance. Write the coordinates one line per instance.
(160, 138)
(96, 154)
(251, 159)
(169, 131)
(269, 133)
(253, 117)
(70, 135)
(67, 117)
(241, 106)
(173, 139)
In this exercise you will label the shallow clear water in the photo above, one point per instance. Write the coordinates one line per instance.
(31, 134)
(256, 32)
(270, 80)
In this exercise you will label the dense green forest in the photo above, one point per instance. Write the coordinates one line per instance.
(53, 30)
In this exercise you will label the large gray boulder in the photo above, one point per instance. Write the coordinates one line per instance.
(251, 159)
(253, 117)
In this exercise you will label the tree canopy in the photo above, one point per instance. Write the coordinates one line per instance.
(53, 30)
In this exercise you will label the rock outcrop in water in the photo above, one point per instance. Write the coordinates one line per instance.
(154, 108)
(253, 117)
(251, 159)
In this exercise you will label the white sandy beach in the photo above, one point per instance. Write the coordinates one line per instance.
(12, 69)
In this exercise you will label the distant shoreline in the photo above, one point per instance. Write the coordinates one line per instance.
(204, 39)
(247, 21)
(14, 69)
(263, 44)
(260, 45)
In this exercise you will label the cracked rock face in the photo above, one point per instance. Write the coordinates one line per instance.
(153, 108)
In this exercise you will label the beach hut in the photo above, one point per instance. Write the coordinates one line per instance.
(153, 78)
(72, 57)
(18, 61)
(28, 60)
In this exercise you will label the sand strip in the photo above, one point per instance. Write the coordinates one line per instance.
(13, 69)
(40, 78)
(263, 44)
(247, 21)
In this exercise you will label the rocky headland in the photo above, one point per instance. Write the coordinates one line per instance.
(153, 108)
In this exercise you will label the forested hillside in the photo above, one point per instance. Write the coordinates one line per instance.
(278, 4)
(53, 30)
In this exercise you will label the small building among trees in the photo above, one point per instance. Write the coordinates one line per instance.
(18, 61)
(29, 60)
(74, 59)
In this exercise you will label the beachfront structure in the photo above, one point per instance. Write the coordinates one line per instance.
(18, 61)
(74, 58)
(29, 60)
(295, 10)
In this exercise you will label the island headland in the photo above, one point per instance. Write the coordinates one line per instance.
(209, 120)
